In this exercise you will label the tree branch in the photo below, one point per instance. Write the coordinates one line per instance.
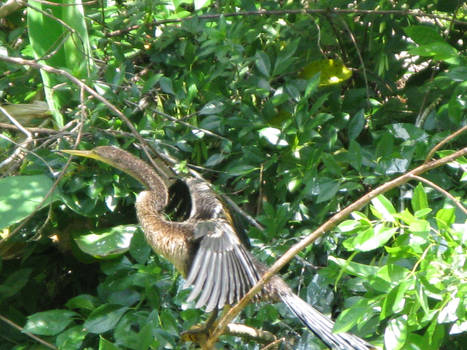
(216, 16)
(328, 225)
(442, 191)
(21, 329)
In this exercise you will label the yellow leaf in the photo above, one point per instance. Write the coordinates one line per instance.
(332, 71)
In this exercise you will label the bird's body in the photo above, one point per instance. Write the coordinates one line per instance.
(206, 249)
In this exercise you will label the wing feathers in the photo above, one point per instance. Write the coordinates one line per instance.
(222, 270)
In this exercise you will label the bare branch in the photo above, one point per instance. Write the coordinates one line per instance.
(328, 225)
(444, 141)
(442, 191)
(290, 12)
(21, 329)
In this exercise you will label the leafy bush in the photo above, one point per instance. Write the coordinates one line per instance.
(292, 115)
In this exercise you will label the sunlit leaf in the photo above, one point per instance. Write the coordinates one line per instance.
(65, 47)
(419, 199)
(383, 208)
(395, 334)
(370, 238)
(108, 242)
(273, 136)
(331, 71)
(21, 195)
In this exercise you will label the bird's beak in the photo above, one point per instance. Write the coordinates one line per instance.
(86, 154)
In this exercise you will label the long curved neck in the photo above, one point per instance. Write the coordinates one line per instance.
(145, 174)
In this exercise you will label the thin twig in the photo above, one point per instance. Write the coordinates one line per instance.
(94, 93)
(442, 191)
(216, 16)
(444, 141)
(362, 63)
(33, 130)
(328, 225)
(24, 144)
(58, 178)
(21, 329)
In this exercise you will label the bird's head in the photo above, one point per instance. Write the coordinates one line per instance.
(110, 155)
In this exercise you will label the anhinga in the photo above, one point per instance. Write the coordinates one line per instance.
(206, 249)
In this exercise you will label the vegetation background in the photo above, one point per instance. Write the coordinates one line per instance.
(292, 109)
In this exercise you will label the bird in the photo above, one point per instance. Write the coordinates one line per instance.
(206, 249)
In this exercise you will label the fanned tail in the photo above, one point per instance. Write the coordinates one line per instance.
(322, 326)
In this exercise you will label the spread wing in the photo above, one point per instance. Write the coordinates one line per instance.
(222, 270)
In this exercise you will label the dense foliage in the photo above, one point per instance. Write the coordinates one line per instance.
(292, 115)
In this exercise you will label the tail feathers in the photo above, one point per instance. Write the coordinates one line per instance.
(322, 326)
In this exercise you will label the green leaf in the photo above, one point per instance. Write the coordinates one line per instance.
(355, 155)
(212, 107)
(393, 273)
(21, 195)
(14, 283)
(71, 339)
(356, 269)
(104, 344)
(139, 248)
(356, 124)
(166, 85)
(69, 45)
(395, 300)
(126, 332)
(395, 334)
(370, 238)
(353, 316)
(104, 318)
(106, 243)
(273, 136)
(383, 208)
(440, 51)
(445, 217)
(423, 34)
(145, 337)
(449, 313)
(419, 199)
(327, 189)
(263, 63)
(49, 322)
(199, 4)
(385, 145)
(312, 86)
(83, 301)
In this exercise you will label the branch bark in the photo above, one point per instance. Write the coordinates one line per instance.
(216, 16)
(328, 225)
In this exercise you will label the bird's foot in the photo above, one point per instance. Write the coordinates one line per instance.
(198, 334)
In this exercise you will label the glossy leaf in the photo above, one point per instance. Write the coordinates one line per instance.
(104, 318)
(21, 196)
(356, 124)
(370, 239)
(395, 334)
(72, 338)
(106, 243)
(49, 322)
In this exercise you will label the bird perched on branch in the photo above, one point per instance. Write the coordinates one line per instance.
(206, 249)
